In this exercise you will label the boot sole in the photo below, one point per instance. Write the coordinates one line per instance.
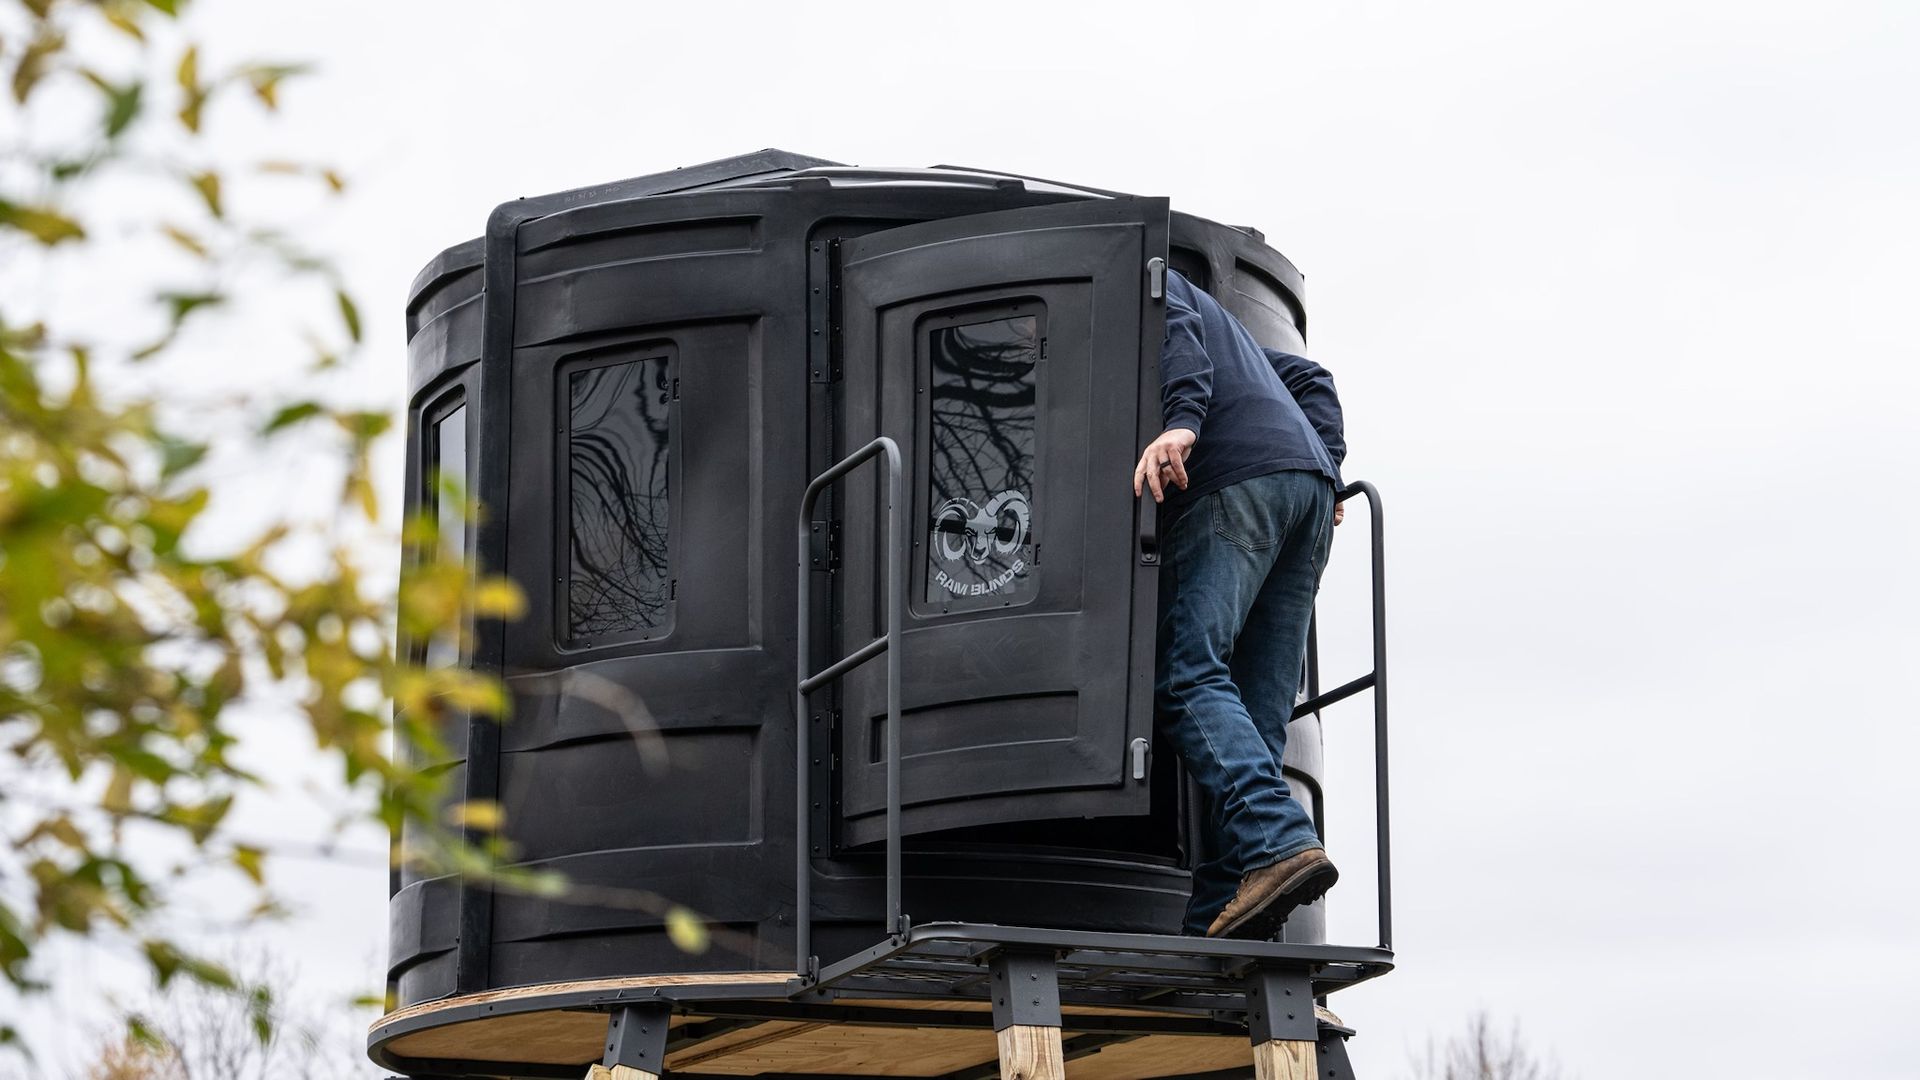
(1304, 887)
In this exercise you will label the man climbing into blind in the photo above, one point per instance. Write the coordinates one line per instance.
(1245, 475)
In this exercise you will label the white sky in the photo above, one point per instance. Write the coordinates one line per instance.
(1617, 297)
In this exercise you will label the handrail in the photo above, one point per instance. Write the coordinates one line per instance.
(887, 642)
(1376, 680)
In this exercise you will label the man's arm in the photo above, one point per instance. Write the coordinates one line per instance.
(1186, 389)
(1312, 387)
(1186, 372)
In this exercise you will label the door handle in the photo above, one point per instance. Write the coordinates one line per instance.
(1148, 531)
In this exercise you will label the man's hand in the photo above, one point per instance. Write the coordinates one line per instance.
(1163, 463)
(1339, 513)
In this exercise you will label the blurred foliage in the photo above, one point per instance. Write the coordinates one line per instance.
(132, 644)
(194, 1032)
(1481, 1053)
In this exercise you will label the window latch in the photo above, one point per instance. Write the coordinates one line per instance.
(1156, 278)
(1139, 748)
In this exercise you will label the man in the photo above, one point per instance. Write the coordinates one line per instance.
(1245, 474)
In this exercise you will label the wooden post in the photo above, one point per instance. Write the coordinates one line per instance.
(1031, 1052)
(619, 1072)
(1026, 1015)
(1283, 1059)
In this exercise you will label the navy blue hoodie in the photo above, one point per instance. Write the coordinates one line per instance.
(1252, 411)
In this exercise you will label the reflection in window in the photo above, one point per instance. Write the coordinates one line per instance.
(617, 484)
(447, 472)
(981, 416)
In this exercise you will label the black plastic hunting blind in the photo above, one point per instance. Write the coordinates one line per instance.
(840, 633)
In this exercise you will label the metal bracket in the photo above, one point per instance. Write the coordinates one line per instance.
(1026, 990)
(637, 1037)
(820, 328)
(1331, 1055)
(823, 545)
(1280, 1006)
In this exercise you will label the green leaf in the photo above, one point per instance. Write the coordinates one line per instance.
(365, 426)
(170, 7)
(349, 314)
(178, 455)
(291, 415)
(260, 1014)
(47, 226)
(181, 305)
(123, 103)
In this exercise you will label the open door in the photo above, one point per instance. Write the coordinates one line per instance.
(1013, 356)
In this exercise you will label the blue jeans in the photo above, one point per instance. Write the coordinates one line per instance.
(1236, 595)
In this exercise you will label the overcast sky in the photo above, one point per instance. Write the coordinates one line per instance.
(1619, 297)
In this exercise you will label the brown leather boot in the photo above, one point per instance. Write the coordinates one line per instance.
(1269, 894)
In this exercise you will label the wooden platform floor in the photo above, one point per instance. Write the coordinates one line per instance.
(576, 1037)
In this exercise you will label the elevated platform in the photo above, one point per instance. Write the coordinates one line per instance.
(933, 1002)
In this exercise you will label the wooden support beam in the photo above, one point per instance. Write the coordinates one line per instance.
(1283, 1059)
(1031, 1052)
(619, 1072)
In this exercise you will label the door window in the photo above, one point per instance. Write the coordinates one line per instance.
(982, 418)
(616, 438)
(447, 493)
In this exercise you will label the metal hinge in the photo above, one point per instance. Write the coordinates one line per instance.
(823, 545)
(1156, 278)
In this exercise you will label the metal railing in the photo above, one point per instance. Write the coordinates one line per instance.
(887, 642)
(1376, 680)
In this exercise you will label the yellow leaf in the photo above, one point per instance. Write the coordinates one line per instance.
(686, 931)
(47, 226)
(208, 185)
(186, 240)
(64, 830)
(34, 62)
(119, 796)
(194, 95)
(483, 814)
(252, 862)
(119, 21)
(499, 598)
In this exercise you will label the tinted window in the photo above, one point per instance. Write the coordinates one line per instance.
(981, 416)
(447, 472)
(617, 427)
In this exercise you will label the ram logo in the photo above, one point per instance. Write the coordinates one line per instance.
(963, 529)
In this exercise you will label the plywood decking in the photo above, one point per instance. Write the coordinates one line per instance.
(577, 1036)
